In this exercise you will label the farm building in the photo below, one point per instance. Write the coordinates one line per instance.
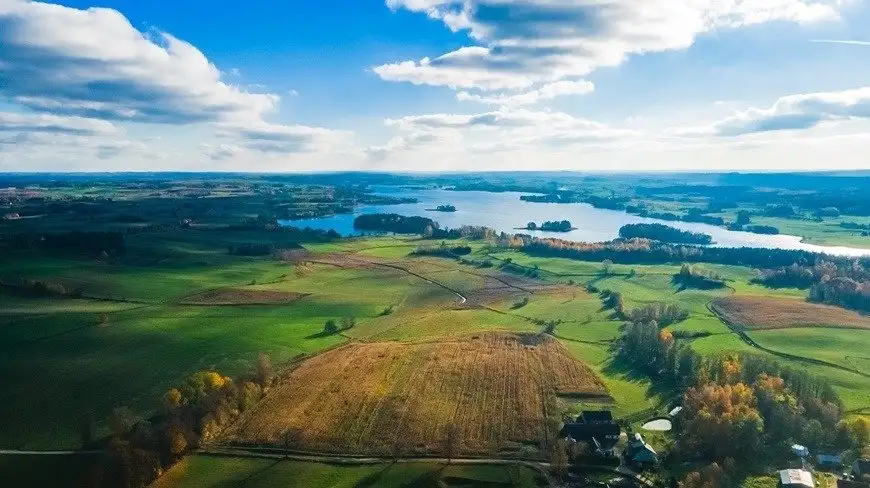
(597, 429)
(639, 452)
(795, 478)
(829, 461)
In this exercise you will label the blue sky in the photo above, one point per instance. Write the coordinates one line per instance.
(427, 85)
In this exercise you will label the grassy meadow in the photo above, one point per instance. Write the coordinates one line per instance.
(151, 340)
(223, 472)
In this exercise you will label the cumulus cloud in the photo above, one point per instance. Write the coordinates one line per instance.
(221, 152)
(277, 138)
(501, 118)
(93, 63)
(548, 91)
(75, 72)
(524, 42)
(793, 112)
(505, 129)
(44, 123)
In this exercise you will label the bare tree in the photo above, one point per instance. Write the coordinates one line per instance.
(559, 458)
(291, 440)
(451, 441)
(401, 447)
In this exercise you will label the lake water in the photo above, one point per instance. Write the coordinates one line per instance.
(505, 212)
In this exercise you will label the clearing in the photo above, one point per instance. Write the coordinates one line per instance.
(499, 390)
(755, 312)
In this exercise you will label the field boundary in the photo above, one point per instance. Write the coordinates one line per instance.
(738, 329)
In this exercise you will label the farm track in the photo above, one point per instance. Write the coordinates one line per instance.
(738, 330)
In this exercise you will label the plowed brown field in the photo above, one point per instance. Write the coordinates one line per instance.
(497, 389)
(239, 296)
(755, 312)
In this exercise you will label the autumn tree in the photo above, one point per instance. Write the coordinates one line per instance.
(721, 421)
(177, 441)
(173, 398)
(559, 461)
(249, 395)
(264, 370)
(711, 476)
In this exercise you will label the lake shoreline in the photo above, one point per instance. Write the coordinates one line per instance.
(500, 211)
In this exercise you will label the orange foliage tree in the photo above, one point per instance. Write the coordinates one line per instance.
(722, 421)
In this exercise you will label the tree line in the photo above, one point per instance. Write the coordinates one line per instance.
(839, 282)
(193, 414)
(646, 251)
(663, 233)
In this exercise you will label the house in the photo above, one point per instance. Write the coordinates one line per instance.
(844, 483)
(861, 467)
(800, 451)
(795, 478)
(829, 461)
(639, 452)
(596, 428)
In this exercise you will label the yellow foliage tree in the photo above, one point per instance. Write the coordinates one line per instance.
(177, 441)
(722, 421)
(173, 398)
(666, 337)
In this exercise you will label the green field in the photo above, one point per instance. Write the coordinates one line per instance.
(220, 472)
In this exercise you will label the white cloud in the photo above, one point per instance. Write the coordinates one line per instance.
(266, 137)
(76, 71)
(44, 123)
(501, 118)
(521, 43)
(221, 152)
(548, 91)
(94, 63)
(506, 129)
(793, 112)
(841, 41)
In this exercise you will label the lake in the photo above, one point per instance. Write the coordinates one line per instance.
(505, 212)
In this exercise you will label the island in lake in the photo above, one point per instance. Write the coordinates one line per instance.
(663, 233)
(442, 208)
(551, 226)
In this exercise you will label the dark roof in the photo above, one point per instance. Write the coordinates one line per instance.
(595, 416)
(607, 435)
(863, 466)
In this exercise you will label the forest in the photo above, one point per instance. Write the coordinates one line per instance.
(663, 233)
